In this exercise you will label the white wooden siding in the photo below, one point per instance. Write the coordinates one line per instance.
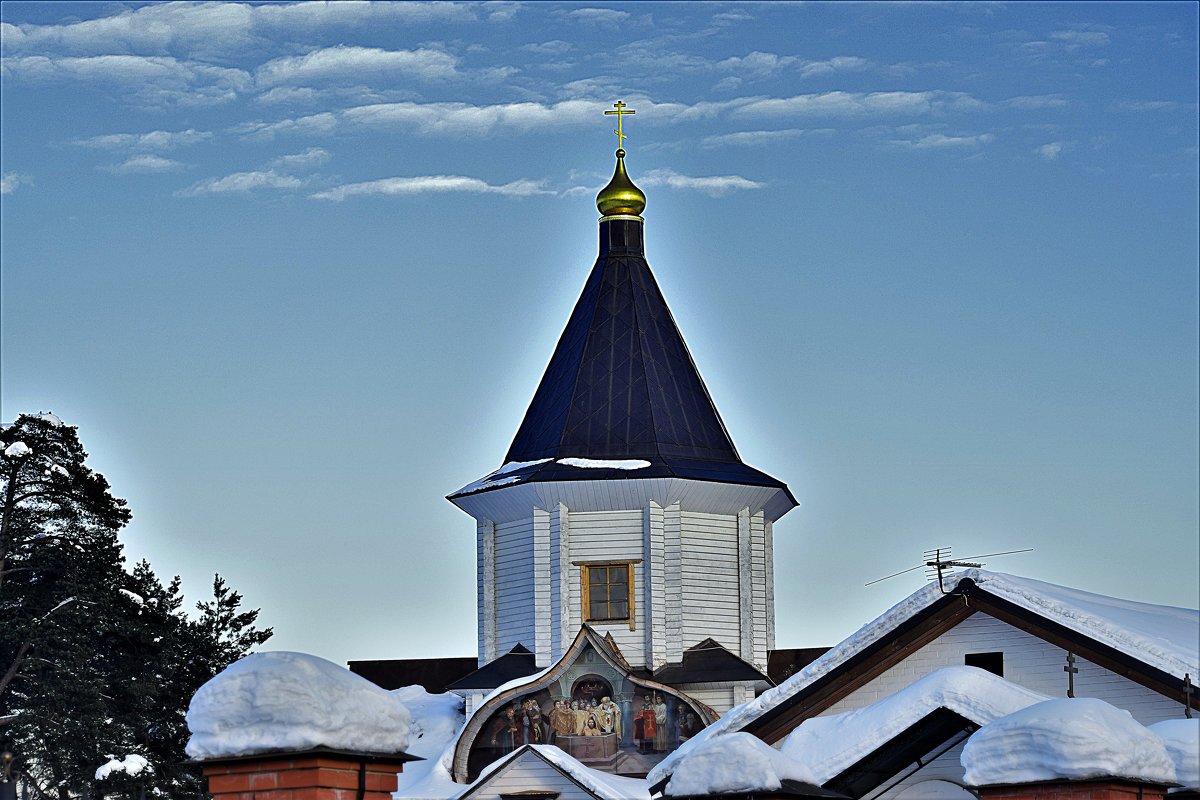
(542, 621)
(1028, 661)
(654, 584)
(560, 575)
(745, 588)
(758, 582)
(611, 536)
(486, 580)
(514, 585)
(709, 559)
(769, 544)
(673, 584)
(527, 772)
(719, 698)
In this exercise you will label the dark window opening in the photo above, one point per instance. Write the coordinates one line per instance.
(992, 662)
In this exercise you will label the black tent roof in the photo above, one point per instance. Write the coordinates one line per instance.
(622, 389)
(516, 663)
(706, 662)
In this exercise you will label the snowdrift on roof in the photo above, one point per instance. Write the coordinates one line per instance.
(739, 762)
(1065, 739)
(284, 701)
(1182, 738)
(831, 744)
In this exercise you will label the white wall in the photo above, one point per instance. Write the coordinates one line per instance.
(699, 575)
(709, 559)
(515, 585)
(1028, 661)
(529, 773)
(610, 536)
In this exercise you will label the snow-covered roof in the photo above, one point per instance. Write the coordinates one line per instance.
(281, 701)
(1065, 739)
(831, 744)
(1182, 738)
(737, 763)
(604, 785)
(1162, 637)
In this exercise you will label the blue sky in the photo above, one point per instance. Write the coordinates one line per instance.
(295, 271)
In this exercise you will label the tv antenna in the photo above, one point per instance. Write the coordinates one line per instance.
(938, 561)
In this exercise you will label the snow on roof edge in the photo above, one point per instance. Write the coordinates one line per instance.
(998, 583)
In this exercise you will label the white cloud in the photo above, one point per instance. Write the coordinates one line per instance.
(939, 141)
(554, 47)
(832, 65)
(309, 159)
(241, 183)
(467, 120)
(203, 29)
(752, 138)
(1081, 38)
(154, 140)
(312, 124)
(757, 62)
(714, 185)
(145, 163)
(1050, 151)
(11, 181)
(155, 80)
(422, 184)
(463, 119)
(1037, 101)
(347, 62)
(598, 16)
(1150, 105)
(840, 104)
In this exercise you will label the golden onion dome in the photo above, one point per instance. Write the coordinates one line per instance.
(620, 196)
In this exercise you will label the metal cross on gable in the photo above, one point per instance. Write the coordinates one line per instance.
(620, 113)
(1071, 670)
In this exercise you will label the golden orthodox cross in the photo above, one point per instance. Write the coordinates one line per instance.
(620, 131)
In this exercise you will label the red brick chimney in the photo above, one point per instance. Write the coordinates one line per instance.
(1100, 789)
(319, 774)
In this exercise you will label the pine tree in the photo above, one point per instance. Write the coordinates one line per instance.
(95, 662)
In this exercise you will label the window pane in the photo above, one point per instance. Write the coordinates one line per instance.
(619, 575)
(619, 609)
(598, 610)
(599, 594)
(598, 575)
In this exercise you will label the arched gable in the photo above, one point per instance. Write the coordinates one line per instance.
(589, 704)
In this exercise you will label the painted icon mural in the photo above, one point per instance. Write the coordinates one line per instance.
(596, 712)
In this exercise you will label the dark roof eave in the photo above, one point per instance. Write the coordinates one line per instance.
(592, 474)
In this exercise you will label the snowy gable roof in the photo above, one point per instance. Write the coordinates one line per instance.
(593, 783)
(866, 744)
(1155, 644)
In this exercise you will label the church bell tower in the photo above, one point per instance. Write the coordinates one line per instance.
(622, 502)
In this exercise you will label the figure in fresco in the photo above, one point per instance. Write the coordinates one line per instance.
(506, 732)
(536, 733)
(661, 732)
(591, 728)
(610, 716)
(561, 719)
(689, 726)
(644, 727)
(579, 711)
